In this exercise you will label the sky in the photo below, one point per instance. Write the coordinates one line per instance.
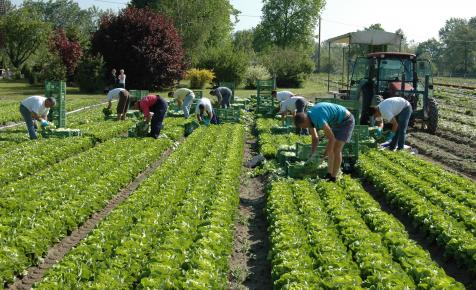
(422, 21)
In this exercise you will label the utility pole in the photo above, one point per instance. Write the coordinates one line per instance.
(319, 48)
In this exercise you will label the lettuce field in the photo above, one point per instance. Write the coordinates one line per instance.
(104, 211)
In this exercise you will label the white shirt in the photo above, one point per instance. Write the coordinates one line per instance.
(283, 95)
(36, 104)
(391, 107)
(122, 79)
(114, 93)
(207, 104)
(290, 104)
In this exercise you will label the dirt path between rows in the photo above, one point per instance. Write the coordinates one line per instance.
(58, 251)
(249, 266)
(436, 252)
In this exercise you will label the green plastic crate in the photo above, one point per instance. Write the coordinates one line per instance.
(61, 133)
(190, 127)
(228, 115)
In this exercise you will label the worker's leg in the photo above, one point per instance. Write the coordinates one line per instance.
(214, 119)
(160, 111)
(122, 106)
(29, 121)
(226, 100)
(403, 119)
(338, 146)
(187, 103)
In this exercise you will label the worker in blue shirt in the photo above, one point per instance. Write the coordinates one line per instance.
(337, 123)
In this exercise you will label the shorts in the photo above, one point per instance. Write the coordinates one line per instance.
(343, 130)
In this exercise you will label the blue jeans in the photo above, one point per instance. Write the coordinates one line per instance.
(402, 120)
(29, 121)
(187, 103)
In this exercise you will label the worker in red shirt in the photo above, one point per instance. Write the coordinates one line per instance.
(157, 105)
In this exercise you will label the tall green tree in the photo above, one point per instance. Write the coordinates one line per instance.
(459, 38)
(24, 32)
(201, 23)
(288, 23)
(78, 23)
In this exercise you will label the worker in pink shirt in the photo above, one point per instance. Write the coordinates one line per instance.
(157, 105)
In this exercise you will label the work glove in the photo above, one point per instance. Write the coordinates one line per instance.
(390, 136)
(44, 123)
(378, 132)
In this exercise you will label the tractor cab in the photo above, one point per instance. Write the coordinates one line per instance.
(394, 74)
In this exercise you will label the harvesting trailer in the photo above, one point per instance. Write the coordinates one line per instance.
(388, 74)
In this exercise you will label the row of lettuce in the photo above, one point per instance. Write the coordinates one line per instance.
(335, 236)
(174, 232)
(26, 158)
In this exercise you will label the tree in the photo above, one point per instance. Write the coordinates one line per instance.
(375, 26)
(145, 44)
(78, 23)
(288, 23)
(23, 33)
(69, 51)
(243, 40)
(201, 24)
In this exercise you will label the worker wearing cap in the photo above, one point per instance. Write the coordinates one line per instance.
(184, 98)
(157, 105)
(293, 105)
(397, 111)
(204, 112)
(123, 103)
(337, 123)
(282, 96)
(223, 95)
(36, 108)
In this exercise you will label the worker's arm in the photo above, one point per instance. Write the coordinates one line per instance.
(330, 137)
(147, 119)
(35, 116)
(394, 125)
(209, 115)
(314, 138)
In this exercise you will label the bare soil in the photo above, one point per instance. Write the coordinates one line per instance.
(427, 243)
(249, 266)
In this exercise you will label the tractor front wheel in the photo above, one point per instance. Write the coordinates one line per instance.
(431, 123)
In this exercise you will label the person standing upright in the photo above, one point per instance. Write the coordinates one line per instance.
(122, 79)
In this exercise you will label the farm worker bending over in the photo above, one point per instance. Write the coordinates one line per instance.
(282, 95)
(223, 95)
(293, 105)
(337, 123)
(36, 108)
(158, 106)
(204, 112)
(184, 98)
(397, 111)
(123, 103)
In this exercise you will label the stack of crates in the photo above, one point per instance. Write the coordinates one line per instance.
(265, 103)
(228, 115)
(57, 114)
(302, 153)
(231, 86)
(352, 105)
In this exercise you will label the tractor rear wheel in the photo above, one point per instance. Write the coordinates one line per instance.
(431, 123)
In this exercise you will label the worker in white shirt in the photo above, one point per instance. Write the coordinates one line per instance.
(282, 96)
(123, 103)
(184, 98)
(204, 112)
(36, 108)
(293, 105)
(397, 111)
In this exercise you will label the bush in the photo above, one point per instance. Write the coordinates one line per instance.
(200, 77)
(69, 51)
(90, 74)
(291, 66)
(227, 64)
(52, 69)
(253, 73)
(143, 43)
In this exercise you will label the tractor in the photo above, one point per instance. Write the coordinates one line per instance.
(394, 74)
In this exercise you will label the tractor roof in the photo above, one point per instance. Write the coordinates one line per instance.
(391, 55)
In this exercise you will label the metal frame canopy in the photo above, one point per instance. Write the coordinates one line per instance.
(374, 38)
(370, 37)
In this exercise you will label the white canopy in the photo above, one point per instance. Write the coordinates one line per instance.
(370, 37)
